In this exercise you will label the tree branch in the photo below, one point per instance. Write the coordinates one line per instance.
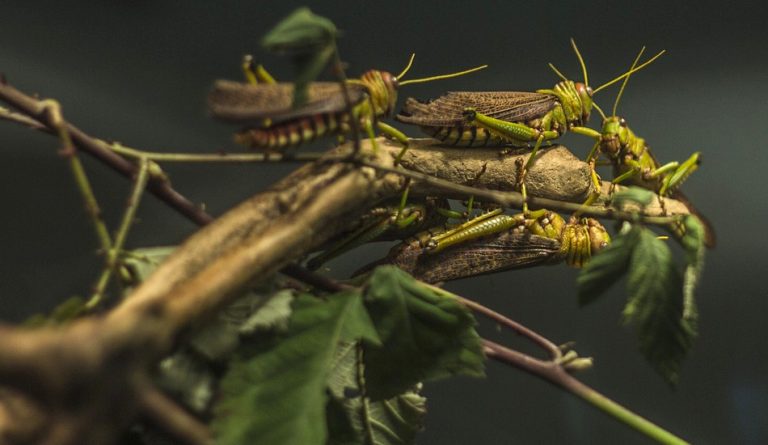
(77, 372)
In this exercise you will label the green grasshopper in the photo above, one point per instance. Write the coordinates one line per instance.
(388, 222)
(271, 122)
(633, 161)
(495, 242)
(498, 118)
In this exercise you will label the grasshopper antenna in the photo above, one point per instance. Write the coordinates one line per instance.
(581, 61)
(626, 79)
(439, 77)
(633, 70)
(559, 74)
(600, 111)
(407, 66)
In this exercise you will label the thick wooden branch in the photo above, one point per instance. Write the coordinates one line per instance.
(82, 369)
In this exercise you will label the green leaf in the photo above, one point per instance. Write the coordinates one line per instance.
(276, 393)
(607, 267)
(273, 315)
(655, 305)
(637, 195)
(65, 312)
(311, 40)
(695, 250)
(301, 31)
(263, 306)
(140, 263)
(425, 335)
(353, 419)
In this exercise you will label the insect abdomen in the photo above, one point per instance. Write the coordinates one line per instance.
(292, 133)
(463, 136)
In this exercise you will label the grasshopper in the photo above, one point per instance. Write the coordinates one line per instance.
(388, 222)
(498, 118)
(271, 122)
(633, 161)
(494, 242)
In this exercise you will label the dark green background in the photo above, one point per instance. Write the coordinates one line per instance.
(138, 72)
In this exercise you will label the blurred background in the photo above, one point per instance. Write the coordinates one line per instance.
(138, 72)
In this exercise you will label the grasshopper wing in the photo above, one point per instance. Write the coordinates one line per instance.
(253, 104)
(494, 253)
(448, 109)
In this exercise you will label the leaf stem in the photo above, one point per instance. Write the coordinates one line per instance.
(556, 374)
(554, 352)
(113, 253)
(211, 157)
(69, 152)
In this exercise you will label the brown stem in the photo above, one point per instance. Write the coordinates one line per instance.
(531, 335)
(97, 359)
(165, 414)
(556, 374)
(100, 150)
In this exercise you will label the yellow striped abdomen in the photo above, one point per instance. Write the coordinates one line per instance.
(294, 132)
(470, 136)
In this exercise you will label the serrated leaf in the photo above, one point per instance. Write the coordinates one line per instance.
(217, 339)
(655, 305)
(607, 267)
(425, 336)
(273, 315)
(637, 195)
(311, 40)
(695, 250)
(354, 419)
(276, 393)
(650, 275)
(300, 31)
(140, 263)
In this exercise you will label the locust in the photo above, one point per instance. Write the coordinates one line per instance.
(634, 163)
(495, 242)
(502, 118)
(388, 222)
(265, 107)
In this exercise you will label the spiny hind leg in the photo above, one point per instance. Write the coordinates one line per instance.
(596, 189)
(591, 161)
(395, 134)
(514, 132)
(680, 173)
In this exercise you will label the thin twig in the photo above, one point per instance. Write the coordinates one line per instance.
(554, 352)
(159, 410)
(114, 252)
(241, 158)
(22, 119)
(103, 151)
(69, 152)
(554, 373)
(30, 107)
(338, 68)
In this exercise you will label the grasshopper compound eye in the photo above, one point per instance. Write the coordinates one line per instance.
(582, 89)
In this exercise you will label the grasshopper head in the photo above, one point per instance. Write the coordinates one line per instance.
(614, 128)
(598, 236)
(382, 87)
(581, 239)
(585, 96)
